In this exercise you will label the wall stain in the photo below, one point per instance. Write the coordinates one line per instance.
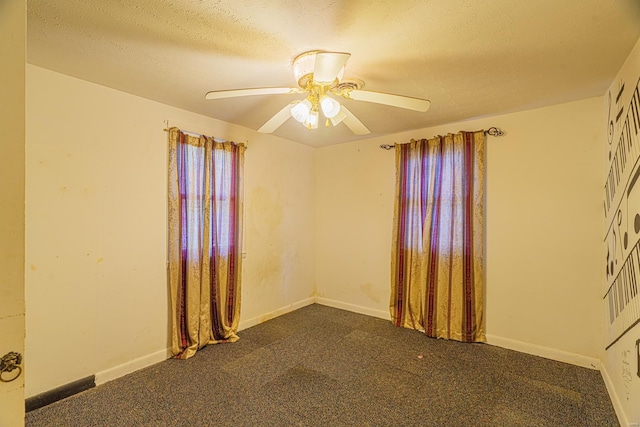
(266, 206)
(99, 260)
(367, 289)
(33, 267)
(265, 222)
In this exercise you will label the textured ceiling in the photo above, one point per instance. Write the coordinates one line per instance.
(470, 58)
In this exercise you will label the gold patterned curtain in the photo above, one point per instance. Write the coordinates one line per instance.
(437, 262)
(205, 235)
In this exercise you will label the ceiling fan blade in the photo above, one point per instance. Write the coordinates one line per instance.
(416, 104)
(276, 121)
(219, 94)
(328, 65)
(338, 118)
(352, 122)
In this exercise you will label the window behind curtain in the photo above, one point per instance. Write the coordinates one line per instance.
(437, 256)
(205, 229)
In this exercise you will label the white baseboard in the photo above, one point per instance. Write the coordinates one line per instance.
(615, 400)
(131, 366)
(382, 314)
(161, 355)
(245, 324)
(546, 352)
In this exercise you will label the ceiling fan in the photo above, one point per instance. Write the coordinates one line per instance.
(319, 75)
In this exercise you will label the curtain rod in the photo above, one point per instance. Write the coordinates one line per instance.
(168, 128)
(493, 131)
(195, 134)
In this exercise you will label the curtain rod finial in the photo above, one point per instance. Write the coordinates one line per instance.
(494, 131)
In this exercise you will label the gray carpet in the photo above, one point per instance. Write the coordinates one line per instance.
(320, 366)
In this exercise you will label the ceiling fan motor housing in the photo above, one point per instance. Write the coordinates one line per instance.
(304, 66)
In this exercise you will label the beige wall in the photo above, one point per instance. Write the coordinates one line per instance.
(96, 290)
(279, 214)
(543, 216)
(12, 123)
(354, 216)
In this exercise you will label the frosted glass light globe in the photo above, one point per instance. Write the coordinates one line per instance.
(300, 111)
(330, 107)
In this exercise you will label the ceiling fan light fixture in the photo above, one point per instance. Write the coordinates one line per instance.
(301, 110)
(330, 107)
(319, 75)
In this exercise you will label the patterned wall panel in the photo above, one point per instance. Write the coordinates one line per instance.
(622, 208)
